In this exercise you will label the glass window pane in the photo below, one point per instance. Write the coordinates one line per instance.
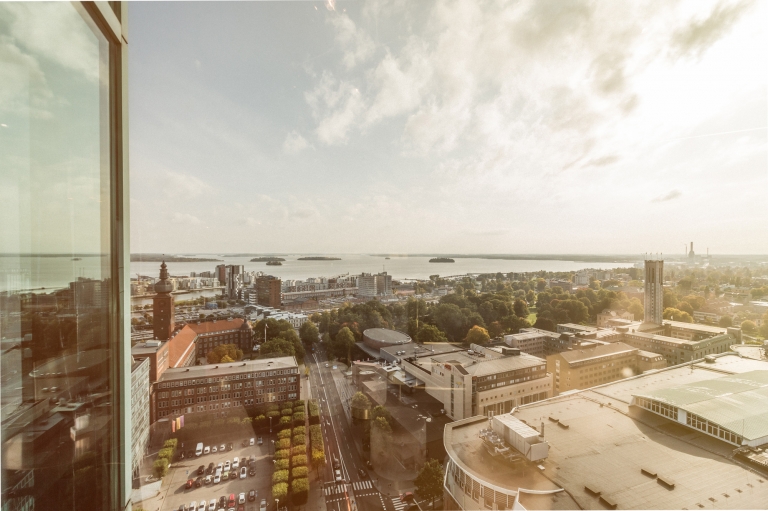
(55, 275)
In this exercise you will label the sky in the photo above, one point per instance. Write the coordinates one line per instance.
(395, 126)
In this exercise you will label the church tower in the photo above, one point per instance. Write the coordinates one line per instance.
(654, 291)
(163, 307)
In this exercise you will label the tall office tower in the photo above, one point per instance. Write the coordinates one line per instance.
(234, 280)
(163, 306)
(654, 291)
(66, 367)
(221, 274)
(269, 291)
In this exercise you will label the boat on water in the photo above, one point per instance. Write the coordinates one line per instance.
(77, 258)
(274, 263)
(386, 258)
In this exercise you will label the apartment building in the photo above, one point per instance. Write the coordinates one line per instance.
(221, 388)
(606, 316)
(588, 367)
(678, 351)
(481, 380)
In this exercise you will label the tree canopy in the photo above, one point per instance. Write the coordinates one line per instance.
(429, 481)
(230, 351)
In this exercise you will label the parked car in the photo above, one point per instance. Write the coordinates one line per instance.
(225, 475)
(223, 501)
(190, 483)
(193, 506)
(263, 505)
(233, 474)
(252, 495)
(208, 479)
(214, 449)
(212, 505)
(229, 446)
(217, 477)
(231, 500)
(182, 507)
(236, 463)
(252, 441)
(252, 471)
(202, 506)
(227, 466)
(222, 448)
(207, 450)
(241, 498)
(260, 441)
(243, 473)
(199, 482)
(220, 466)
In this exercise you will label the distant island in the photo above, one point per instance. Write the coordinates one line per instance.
(274, 263)
(157, 258)
(441, 260)
(319, 258)
(266, 259)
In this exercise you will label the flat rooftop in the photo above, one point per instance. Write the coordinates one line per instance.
(480, 366)
(413, 349)
(596, 352)
(714, 330)
(462, 441)
(214, 370)
(607, 443)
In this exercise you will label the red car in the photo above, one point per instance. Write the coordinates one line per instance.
(190, 483)
(231, 500)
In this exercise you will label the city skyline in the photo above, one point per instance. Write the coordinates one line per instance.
(437, 127)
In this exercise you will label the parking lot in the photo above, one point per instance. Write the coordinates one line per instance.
(183, 470)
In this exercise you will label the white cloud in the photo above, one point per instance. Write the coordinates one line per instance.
(294, 142)
(185, 218)
(336, 105)
(356, 44)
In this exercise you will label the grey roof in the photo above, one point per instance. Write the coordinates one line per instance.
(599, 351)
(413, 349)
(211, 370)
(737, 402)
(696, 327)
(387, 336)
(480, 366)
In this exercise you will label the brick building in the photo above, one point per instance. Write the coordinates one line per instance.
(221, 388)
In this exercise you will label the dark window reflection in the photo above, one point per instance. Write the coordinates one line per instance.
(55, 281)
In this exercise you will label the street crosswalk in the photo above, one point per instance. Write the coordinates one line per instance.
(399, 504)
(362, 485)
(333, 490)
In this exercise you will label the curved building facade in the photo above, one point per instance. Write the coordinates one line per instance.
(378, 338)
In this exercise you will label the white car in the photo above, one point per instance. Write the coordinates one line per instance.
(217, 477)
(251, 441)
(243, 473)
(193, 506)
(227, 466)
(214, 449)
(236, 463)
(207, 450)
(241, 498)
(202, 506)
(212, 505)
(263, 505)
(260, 441)
(337, 473)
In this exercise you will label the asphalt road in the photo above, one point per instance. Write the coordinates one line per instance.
(336, 431)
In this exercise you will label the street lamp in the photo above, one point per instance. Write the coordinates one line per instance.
(277, 504)
(270, 424)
